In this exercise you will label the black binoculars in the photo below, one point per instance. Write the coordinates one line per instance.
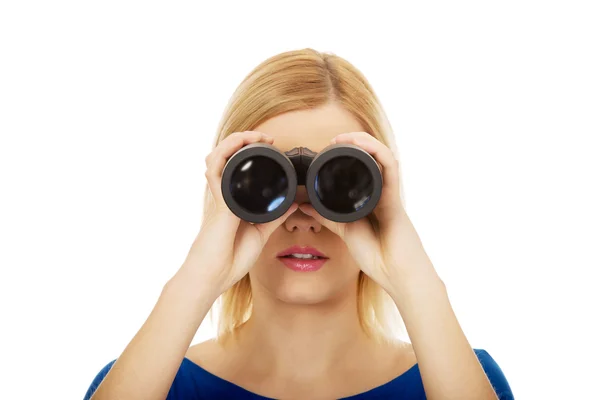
(259, 182)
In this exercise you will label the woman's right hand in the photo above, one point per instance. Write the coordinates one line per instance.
(227, 247)
(222, 253)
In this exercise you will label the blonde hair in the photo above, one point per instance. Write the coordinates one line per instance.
(291, 81)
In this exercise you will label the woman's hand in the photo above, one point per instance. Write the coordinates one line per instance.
(396, 260)
(226, 247)
(396, 254)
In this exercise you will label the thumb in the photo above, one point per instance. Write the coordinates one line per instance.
(335, 227)
(268, 228)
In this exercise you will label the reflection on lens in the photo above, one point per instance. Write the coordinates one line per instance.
(259, 184)
(276, 203)
(344, 184)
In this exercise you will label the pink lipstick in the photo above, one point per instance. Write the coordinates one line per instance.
(302, 259)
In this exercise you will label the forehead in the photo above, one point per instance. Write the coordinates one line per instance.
(312, 128)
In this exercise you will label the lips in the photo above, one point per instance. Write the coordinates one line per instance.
(297, 258)
(301, 250)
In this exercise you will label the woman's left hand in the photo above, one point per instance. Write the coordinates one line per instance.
(395, 255)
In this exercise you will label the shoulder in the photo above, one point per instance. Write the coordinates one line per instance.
(213, 356)
(206, 351)
(408, 382)
(494, 374)
(190, 380)
(98, 379)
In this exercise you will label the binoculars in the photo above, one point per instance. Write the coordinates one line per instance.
(259, 182)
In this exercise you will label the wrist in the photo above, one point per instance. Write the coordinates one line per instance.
(194, 285)
(419, 283)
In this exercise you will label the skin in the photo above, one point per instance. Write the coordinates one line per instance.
(303, 339)
(304, 336)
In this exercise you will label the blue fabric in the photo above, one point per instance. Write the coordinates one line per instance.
(193, 382)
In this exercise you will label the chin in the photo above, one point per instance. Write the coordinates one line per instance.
(303, 292)
(304, 288)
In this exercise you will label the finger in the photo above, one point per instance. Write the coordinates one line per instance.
(223, 151)
(268, 228)
(216, 160)
(382, 154)
(335, 227)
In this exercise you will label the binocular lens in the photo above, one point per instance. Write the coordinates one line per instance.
(344, 184)
(258, 184)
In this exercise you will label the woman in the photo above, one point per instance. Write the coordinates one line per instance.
(316, 334)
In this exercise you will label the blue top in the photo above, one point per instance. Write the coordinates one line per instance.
(193, 382)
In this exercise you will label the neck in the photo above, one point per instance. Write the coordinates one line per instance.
(303, 342)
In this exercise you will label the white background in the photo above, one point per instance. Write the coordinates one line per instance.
(107, 110)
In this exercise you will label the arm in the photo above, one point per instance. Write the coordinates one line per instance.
(393, 256)
(148, 365)
(449, 367)
(223, 252)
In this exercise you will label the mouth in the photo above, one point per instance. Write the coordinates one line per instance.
(302, 259)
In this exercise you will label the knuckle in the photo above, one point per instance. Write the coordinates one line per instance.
(252, 136)
(227, 140)
(238, 135)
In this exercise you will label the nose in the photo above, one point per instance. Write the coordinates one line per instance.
(299, 221)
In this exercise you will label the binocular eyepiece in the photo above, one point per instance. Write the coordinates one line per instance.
(259, 181)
